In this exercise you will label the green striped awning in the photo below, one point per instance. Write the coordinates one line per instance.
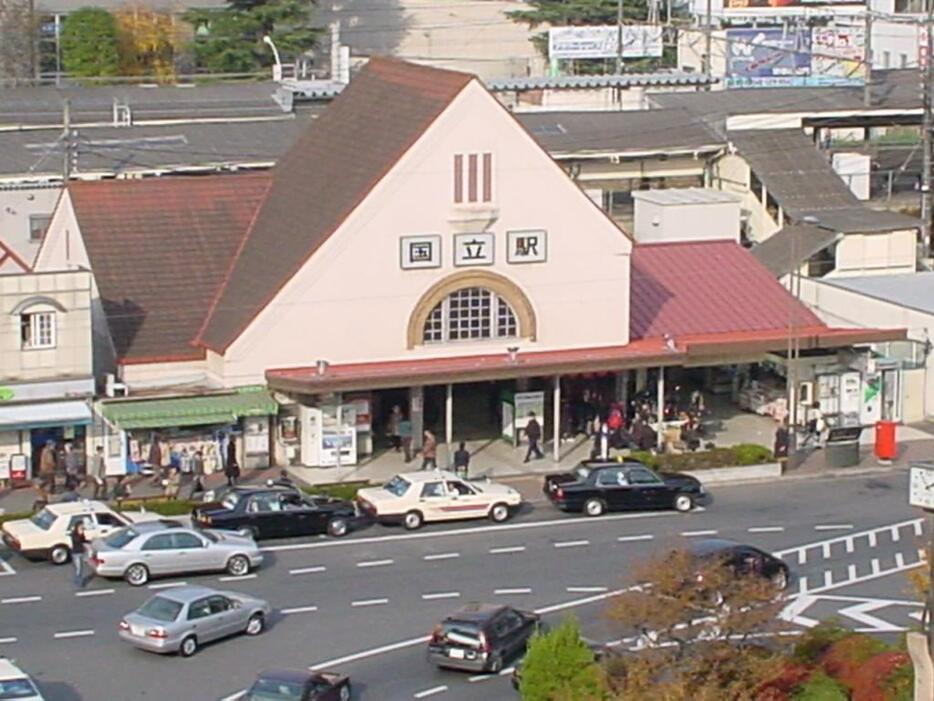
(201, 410)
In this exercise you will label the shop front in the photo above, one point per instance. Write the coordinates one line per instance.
(149, 435)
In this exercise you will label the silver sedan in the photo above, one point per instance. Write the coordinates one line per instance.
(184, 618)
(146, 550)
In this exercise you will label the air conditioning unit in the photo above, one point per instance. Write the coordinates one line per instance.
(112, 388)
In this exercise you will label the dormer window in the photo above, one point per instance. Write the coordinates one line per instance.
(37, 330)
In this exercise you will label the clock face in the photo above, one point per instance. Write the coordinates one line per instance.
(921, 487)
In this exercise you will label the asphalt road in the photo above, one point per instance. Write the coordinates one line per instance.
(364, 604)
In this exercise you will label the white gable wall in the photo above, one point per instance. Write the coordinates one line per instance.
(351, 302)
(63, 248)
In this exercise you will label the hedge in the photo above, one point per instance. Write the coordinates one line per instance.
(735, 456)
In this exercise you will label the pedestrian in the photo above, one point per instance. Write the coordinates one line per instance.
(231, 466)
(155, 458)
(429, 451)
(79, 542)
(70, 460)
(462, 460)
(97, 473)
(122, 490)
(781, 440)
(533, 431)
(392, 428)
(405, 435)
(283, 480)
(197, 469)
(172, 484)
(47, 467)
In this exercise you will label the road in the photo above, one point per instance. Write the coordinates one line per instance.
(364, 604)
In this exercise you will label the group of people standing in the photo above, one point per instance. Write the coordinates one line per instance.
(399, 431)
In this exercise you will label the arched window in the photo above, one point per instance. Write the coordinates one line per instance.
(37, 322)
(470, 313)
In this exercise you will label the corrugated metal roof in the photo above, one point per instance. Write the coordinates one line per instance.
(624, 80)
(915, 290)
(804, 240)
(686, 195)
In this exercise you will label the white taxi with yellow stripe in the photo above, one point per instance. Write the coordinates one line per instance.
(414, 498)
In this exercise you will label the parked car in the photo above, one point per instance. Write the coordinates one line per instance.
(276, 512)
(596, 487)
(137, 553)
(742, 559)
(414, 498)
(481, 637)
(184, 618)
(289, 685)
(16, 684)
(46, 534)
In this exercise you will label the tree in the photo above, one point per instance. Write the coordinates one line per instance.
(149, 42)
(231, 40)
(705, 633)
(89, 44)
(559, 666)
(17, 37)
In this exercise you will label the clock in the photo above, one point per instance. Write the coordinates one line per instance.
(921, 486)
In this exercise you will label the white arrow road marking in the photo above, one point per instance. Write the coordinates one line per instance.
(792, 612)
(5, 568)
(860, 614)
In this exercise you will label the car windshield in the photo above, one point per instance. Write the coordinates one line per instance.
(213, 537)
(461, 633)
(230, 501)
(582, 472)
(397, 486)
(121, 537)
(17, 689)
(44, 519)
(160, 609)
(275, 690)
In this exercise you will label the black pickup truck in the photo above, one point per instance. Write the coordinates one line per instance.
(597, 486)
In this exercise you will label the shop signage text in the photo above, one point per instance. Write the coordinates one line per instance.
(522, 246)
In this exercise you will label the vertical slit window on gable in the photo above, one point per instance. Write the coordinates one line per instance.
(472, 177)
(487, 177)
(458, 179)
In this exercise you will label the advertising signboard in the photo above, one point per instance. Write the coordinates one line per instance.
(602, 41)
(772, 4)
(838, 55)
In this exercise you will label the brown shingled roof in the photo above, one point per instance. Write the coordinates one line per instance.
(159, 249)
(324, 177)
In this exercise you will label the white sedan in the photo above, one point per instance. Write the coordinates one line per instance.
(413, 498)
(16, 684)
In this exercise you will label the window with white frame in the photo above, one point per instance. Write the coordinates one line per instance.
(37, 330)
(471, 313)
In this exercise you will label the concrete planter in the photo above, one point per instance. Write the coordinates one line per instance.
(725, 475)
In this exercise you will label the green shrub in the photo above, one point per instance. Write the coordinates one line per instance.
(736, 456)
(751, 454)
(900, 685)
(163, 507)
(560, 665)
(339, 490)
(820, 687)
(815, 641)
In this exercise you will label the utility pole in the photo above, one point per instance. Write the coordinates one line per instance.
(619, 36)
(867, 59)
(708, 40)
(926, 76)
(66, 141)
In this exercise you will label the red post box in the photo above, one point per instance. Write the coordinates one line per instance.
(886, 447)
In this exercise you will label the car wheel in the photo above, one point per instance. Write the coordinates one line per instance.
(136, 575)
(238, 565)
(413, 520)
(496, 664)
(256, 624)
(780, 579)
(59, 555)
(337, 527)
(499, 513)
(594, 507)
(345, 693)
(684, 502)
(188, 647)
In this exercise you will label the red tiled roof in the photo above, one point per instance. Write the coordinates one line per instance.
(10, 257)
(159, 249)
(323, 178)
(706, 287)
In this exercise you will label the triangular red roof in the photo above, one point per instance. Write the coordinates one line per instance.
(323, 178)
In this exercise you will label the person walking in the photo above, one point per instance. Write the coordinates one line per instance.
(197, 470)
(405, 435)
(462, 460)
(533, 431)
(70, 460)
(231, 466)
(79, 541)
(173, 484)
(392, 428)
(47, 467)
(155, 458)
(429, 451)
(97, 473)
(780, 449)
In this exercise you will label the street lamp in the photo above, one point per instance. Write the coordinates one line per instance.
(276, 69)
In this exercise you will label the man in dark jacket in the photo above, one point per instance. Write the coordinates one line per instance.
(462, 460)
(533, 431)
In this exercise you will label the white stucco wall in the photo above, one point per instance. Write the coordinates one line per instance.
(63, 248)
(876, 254)
(351, 302)
(839, 307)
(17, 204)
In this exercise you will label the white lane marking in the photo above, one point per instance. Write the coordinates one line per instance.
(168, 585)
(508, 592)
(73, 634)
(237, 578)
(375, 563)
(919, 527)
(766, 529)
(828, 578)
(872, 539)
(5, 641)
(630, 538)
(94, 592)
(571, 543)
(851, 571)
(585, 590)
(803, 585)
(308, 570)
(566, 522)
(694, 534)
(441, 595)
(507, 671)
(895, 534)
(234, 697)
(802, 556)
(441, 556)
(21, 600)
(793, 612)
(825, 548)
(834, 527)
(299, 609)
(849, 545)
(370, 602)
(875, 565)
(480, 678)
(429, 692)
(508, 549)
(899, 560)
